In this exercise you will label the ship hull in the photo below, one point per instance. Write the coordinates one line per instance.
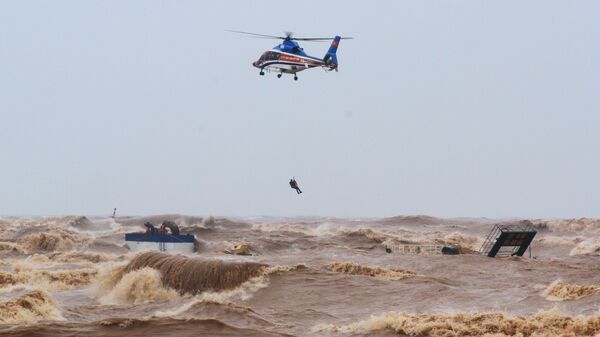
(138, 242)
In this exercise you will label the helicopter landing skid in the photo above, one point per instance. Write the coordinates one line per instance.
(280, 73)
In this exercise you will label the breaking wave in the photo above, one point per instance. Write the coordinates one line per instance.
(29, 308)
(562, 291)
(496, 324)
(107, 279)
(138, 286)
(377, 272)
(194, 275)
(243, 292)
(155, 276)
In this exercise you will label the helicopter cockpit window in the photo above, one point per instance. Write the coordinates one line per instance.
(268, 56)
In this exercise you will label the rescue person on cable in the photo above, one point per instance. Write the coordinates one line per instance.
(294, 185)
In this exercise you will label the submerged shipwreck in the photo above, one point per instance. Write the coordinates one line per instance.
(166, 238)
(503, 240)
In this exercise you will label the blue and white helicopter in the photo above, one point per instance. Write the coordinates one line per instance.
(289, 58)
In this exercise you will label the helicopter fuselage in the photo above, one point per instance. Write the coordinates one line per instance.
(275, 60)
(288, 57)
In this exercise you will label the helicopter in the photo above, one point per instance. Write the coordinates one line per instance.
(289, 58)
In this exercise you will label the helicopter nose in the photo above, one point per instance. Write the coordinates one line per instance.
(255, 63)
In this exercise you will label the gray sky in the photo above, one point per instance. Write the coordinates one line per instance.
(448, 108)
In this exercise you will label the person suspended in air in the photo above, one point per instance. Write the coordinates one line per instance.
(294, 185)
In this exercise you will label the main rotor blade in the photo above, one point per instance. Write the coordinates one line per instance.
(288, 37)
(260, 35)
(319, 38)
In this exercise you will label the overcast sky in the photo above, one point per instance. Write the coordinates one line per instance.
(447, 108)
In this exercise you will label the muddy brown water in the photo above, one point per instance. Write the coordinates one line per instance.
(74, 276)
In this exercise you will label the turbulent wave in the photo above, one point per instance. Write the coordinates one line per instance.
(413, 220)
(55, 245)
(228, 313)
(128, 327)
(590, 246)
(368, 233)
(323, 229)
(240, 248)
(9, 246)
(245, 290)
(181, 220)
(29, 308)
(377, 272)
(84, 225)
(496, 324)
(108, 277)
(51, 279)
(79, 257)
(185, 222)
(283, 227)
(401, 236)
(104, 290)
(457, 239)
(71, 257)
(463, 240)
(193, 275)
(20, 227)
(562, 291)
(49, 242)
(353, 235)
(568, 225)
(561, 240)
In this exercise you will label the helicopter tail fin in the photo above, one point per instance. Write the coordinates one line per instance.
(331, 57)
